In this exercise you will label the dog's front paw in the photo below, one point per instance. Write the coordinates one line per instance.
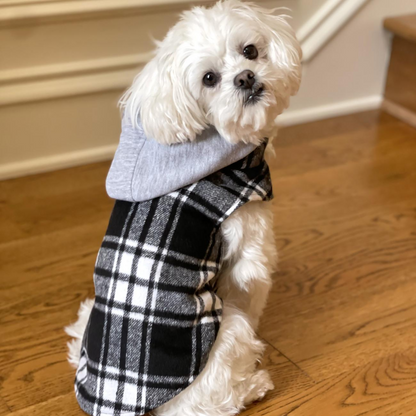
(258, 385)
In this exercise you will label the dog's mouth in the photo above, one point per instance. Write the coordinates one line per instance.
(255, 95)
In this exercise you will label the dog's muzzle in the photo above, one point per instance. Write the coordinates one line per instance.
(255, 94)
(246, 82)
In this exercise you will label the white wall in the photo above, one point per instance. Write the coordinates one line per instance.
(300, 10)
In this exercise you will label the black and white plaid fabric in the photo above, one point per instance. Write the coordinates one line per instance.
(156, 314)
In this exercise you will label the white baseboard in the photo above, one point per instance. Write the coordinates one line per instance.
(306, 115)
(55, 162)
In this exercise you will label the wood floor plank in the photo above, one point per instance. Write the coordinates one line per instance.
(42, 295)
(4, 410)
(366, 248)
(33, 361)
(341, 320)
(66, 199)
(59, 405)
(385, 386)
(301, 150)
(49, 261)
(356, 326)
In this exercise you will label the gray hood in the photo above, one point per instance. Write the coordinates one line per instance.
(143, 169)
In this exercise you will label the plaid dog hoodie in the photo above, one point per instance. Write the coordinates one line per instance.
(156, 314)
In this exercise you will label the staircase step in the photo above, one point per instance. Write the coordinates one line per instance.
(400, 91)
(403, 26)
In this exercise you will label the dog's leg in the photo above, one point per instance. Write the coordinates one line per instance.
(222, 387)
(250, 257)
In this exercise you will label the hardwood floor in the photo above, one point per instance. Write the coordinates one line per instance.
(340, 325)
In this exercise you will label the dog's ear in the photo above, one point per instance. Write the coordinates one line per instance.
(284, 49)
(161, 99)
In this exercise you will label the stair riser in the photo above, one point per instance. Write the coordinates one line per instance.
(401, 78)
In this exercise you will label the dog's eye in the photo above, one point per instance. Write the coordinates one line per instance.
(210, 79)
(250, 52)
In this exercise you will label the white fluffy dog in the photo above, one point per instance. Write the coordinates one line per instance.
(233, 66)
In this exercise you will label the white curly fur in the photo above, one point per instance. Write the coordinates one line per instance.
(174, 106)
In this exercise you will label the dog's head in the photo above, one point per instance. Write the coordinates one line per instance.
(233, 66)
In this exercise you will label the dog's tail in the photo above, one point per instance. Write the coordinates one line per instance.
(76, 331)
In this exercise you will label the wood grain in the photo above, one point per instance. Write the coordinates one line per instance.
(4, 410)
(340, 324)
(384, 386)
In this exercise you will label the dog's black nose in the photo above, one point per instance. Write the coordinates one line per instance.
(245, 80)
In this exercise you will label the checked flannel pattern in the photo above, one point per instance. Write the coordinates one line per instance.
(156, 314)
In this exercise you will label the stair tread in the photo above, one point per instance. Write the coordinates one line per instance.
(403, 26)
